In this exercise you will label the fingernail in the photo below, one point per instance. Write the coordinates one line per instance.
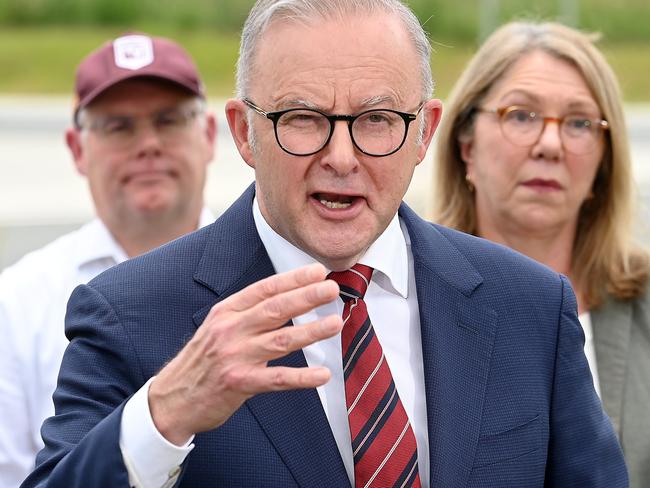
(325, 289)
(322, 375)
(330, 324)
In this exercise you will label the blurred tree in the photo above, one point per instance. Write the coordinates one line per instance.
(445, 20)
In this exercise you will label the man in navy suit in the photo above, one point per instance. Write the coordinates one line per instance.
(216, 360)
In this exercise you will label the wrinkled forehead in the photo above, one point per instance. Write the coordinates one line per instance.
(358, 56)
(540, 76)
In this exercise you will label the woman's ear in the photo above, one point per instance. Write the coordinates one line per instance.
(466, 146)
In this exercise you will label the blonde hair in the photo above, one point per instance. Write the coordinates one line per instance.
(605, 257)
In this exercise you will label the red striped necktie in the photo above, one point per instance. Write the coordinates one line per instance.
(383, 443)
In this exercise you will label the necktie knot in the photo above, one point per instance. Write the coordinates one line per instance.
(353, 282)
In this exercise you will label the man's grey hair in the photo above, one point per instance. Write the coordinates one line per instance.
(303, 11)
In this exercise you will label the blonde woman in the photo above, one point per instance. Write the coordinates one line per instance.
(533, 154)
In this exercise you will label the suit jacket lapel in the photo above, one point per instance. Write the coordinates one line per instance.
(296, 424)
(612, 325)
(457, 340)
(294, 421)
(234, 255)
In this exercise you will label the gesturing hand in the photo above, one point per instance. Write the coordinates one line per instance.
(225, 363)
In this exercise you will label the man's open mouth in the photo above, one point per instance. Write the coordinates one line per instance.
(332, 200)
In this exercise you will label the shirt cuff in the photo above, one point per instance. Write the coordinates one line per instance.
(151, 460)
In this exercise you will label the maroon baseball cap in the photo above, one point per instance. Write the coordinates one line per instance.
(131, 56)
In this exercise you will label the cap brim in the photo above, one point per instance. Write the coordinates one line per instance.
(141, 73)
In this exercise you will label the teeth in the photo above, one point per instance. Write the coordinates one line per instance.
(329, 204)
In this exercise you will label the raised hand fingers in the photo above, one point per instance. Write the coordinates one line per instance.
(279, 378)
(274, 285)
(273, 301)
(281, 342)
(226, 360)
(277, 310)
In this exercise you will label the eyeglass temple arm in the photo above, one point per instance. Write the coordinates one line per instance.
(254, 107)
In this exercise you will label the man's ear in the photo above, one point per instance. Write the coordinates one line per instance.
(73, 141)
(236, 114)
(431, 111)
(210, 135)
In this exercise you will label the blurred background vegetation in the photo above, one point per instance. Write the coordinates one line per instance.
(41, 41)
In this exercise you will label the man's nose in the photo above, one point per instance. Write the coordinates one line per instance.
(147, 137)
(340, 154)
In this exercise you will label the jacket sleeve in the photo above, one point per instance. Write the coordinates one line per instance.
(98, 374)
(583, 449)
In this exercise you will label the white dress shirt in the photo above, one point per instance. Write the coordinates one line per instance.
(33, 296)
(392, 305)
(590, 348)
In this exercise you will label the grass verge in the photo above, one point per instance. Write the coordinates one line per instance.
(42, 60)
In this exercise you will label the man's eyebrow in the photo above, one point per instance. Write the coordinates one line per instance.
(377, 100)
(110, 117)
(364, 104)
(298, 103)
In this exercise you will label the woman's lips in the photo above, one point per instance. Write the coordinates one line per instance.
(541, 184)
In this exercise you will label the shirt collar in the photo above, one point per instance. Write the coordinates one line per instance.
(95, 243)
(387, 255)
(98, 243)
(206, 218)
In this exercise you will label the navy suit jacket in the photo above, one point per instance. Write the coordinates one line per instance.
(510, 402)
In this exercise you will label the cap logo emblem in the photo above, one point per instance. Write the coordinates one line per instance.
(133, 52)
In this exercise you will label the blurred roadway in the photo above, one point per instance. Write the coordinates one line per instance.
(42, 196)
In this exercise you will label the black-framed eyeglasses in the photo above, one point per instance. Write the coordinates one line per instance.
(305, 131)
(523, 126)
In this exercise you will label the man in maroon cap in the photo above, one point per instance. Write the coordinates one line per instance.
(143, 139)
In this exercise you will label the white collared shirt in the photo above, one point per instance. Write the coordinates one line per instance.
(33, 296)
(590, 348)
(392, 305)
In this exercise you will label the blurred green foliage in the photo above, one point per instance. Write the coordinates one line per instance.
(41, 41)
(445, 19)
(226, 15)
